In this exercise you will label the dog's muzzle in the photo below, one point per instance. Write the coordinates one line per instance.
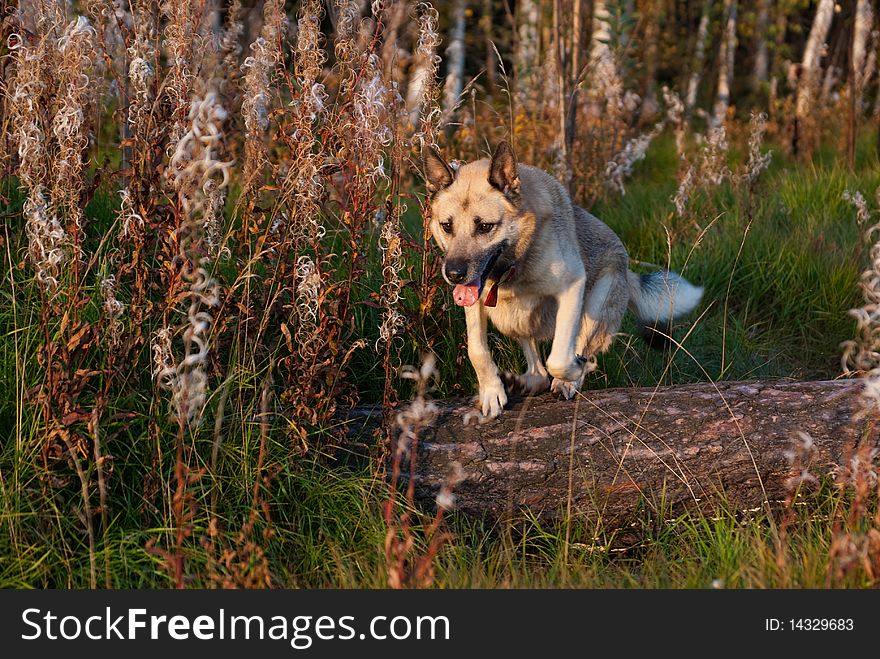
(466, 295)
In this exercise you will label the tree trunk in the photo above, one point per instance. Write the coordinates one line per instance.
(563, 151)
(781, 30)
(651, 14)
(808, 84)
(567, 36)
(393, 56)
(858, 43)
(488, 42)
(577, 18)
(616, 454)
(862, 23)
(699, 57)
(415, 88)
(762, 52)
(725, 65)
(526, 63)
(455, 60)
(602, 64)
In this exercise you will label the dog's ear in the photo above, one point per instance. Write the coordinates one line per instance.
(502, 172)
(438, 175)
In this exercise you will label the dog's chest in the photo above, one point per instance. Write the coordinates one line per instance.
(524, 315)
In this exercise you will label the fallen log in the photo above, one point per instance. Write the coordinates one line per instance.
(611, 453)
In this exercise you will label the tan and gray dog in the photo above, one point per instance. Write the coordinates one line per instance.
(521, 254)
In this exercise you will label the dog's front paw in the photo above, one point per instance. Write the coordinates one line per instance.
(493, 398)
(566, 388)
(567, 372)
(525, 383)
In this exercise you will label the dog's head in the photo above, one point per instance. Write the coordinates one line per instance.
(475, 218)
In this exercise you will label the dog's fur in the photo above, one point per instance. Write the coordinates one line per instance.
(559, 273)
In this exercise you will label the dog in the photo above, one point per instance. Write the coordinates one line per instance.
(518, 252)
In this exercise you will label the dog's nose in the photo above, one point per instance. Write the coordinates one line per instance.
(456, 271)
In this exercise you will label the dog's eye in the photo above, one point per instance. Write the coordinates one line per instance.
(485, 227)
(446, 226)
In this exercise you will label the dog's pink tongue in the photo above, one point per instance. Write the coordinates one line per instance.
(465, 296)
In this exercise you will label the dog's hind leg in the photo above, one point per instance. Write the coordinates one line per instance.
(535, 379)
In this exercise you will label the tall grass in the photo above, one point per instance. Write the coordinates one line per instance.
(214, 249)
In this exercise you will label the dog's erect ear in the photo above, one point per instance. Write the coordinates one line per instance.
(438, 175)
(502, 171)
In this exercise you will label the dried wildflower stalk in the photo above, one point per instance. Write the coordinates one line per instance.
(258, 68)
(308, 304)
(230, 43)
(621, 166)
(683, 192)
(855, 547)
(392, 265)
(194, 170)
(709, 170)
(113, 309)
(303, 187)
(182, 44)
(369, 126)
(163, 356)
(212, 220)
(426, 81)
(675, 117)
(77, 50)
(861, 356)
(140, 76)
(404, 568)
(799, 456)
(346, 43)
(857, 200)
(757, 161)
(28, 94)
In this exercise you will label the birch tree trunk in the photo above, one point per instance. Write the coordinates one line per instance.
(762, 52)
(418, 75)
(699, 57)
(526, 63)
(455, 59)
(725, 65)
(603, 66)
(809, 83)
(863, 21)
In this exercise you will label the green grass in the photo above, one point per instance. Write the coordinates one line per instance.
(780, 266)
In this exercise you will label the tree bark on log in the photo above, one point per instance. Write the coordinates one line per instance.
(615, 454)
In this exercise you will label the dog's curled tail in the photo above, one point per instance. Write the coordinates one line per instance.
(658, 297)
